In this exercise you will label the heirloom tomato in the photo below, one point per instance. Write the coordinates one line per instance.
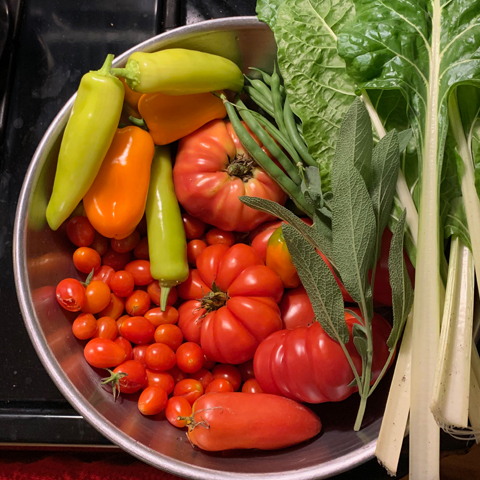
(305, 364)
(239, 295)
(212, 169)
(296, 308)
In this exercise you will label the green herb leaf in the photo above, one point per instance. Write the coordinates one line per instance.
(311, 187)
(359, 335)
(320, 284)
(402, 292)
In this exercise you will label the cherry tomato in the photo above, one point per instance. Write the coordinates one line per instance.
(115, 307)
(204, 376)
(139, 352)
(154, 290)
(84, 326)
(126, 244)
(190, 318)
(160, 357)
(106, 328)
(297, 311)
(120, 321)
(194, 249)
(189, 388)
(156, 317)
(228, 372)
(177, 374)
(127, 346)
(251, 386)
(70, 295)
(122, 283)
(134, 379)
(178, 407)
(152, 401)
(141, 250)
(194, 227)
(189, 357)
(193, 287)
(80, 231)
(103, 274)
(103, 353)
(140, 271)
(160, 379)
(219, 385)
(246, 370)
(207, 363)
(138, 303)
(215, 236)
(115, 260)
(86, 259)
(142, 226)
(137, 330)
(97, 297)
(169, 335)
(100, 244)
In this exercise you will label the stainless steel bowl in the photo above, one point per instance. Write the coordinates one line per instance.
(42, 258)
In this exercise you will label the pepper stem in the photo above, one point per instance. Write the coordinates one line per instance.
(138, 122)
(106, 67)
(163, 297)
(131, 73)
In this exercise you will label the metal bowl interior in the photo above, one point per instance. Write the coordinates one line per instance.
(42, 258)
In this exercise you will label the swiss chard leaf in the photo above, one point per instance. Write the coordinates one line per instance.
(456, 224)
(320, 284)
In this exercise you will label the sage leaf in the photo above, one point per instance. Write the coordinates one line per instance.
(360, 341)
(311, 187)
(320, 284)
(402, 291)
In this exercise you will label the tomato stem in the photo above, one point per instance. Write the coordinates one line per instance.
(114, 379)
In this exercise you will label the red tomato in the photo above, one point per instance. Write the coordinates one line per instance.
(189, 357)
(177, 374)
(103, 274)
(160, 357)
(70, 294)
(156, 317)
(204, 376)
(192, 287)
(154, 290)
(243, 308)
(297, 311)
(219, 385)
(212, 169)
(122, 283)
(194, 227)
(260, 236)
(115, 307)
(215, 236)
(126, 244)
(178, 407)
(129, 377)
(138, 303)
(251, 386)
(207, 363)
(103, 353)
(307, 365)
(228, 372)
(106, 328)
(84, 326)
(140, 271)
(194, 249)
(279, 422)
(97, 297)
(137, 330)
(115, 260)
(141, 250)
(100, 244)
(246, 370)
(190, 318)
(169, 335)
(152, 401)
(86, 259)
(80, 231)
(139, 352)
(127, 346)
(189, 388)
(160, 379)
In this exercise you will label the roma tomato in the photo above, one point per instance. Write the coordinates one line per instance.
(103, 353)
(218, 385)
(279, 422)
(170, 335)
(212, 169)
(127, 346)
(137, 330)
(104, 274)
(115, 307)
(190, 318)
(160, 357)
(152, 401)
(296, 308)
(160, 379)
(106, 328)
(241, 307)
(140, 271)
(307, 365)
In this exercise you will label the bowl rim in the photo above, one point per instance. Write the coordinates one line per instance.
(46, 356)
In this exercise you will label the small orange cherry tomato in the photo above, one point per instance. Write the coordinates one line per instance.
(86, 259)
(115, 307)
(251, 386)
(84, 326)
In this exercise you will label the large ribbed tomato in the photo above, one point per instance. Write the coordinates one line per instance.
(212, 169)
(305, 364)
(240, 297)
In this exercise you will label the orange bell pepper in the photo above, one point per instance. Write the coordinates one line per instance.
(171, 117)
(131, 100)
(115, 203)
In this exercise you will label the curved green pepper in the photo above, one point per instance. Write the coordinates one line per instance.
(167, 243)
(87, 137)
(178, 71)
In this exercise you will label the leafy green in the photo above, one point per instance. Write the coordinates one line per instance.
(456, 224)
